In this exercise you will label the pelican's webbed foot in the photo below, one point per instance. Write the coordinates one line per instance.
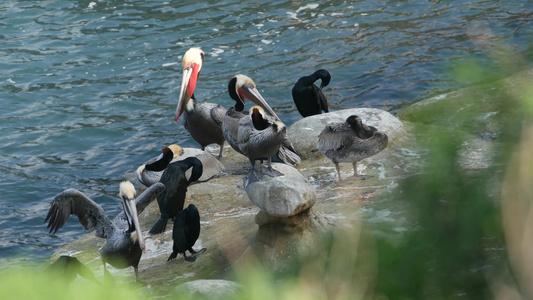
(273, 173)
(243, 171)
(252, 177)
(219, 157)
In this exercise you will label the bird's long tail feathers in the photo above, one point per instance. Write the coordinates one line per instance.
(288, 156)
(159, 226)
(172, 256)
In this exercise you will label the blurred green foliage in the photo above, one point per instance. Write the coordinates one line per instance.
(458, 242)
(30, 284)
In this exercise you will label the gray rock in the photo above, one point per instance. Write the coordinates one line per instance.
(304, 133)
(303, 221)
(210, 289)
(282, 196)
(279, 241)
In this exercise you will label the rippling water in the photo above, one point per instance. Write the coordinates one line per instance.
(89, 88)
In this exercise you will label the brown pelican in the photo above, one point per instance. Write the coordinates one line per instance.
(308, 97)
(241, 87)
(350, 141)
(260, 138)
(151, 172)
(123, 247)
(185, 233)
(202, 120)
(172, 199)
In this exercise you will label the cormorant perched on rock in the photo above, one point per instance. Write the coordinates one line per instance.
(185, 233)
(124, 241)
(308, 97)
(350, 141)
(172, 199)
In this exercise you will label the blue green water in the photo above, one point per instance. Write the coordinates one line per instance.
(89, 88)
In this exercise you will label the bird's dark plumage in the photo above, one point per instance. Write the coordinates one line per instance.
(69, 267)
(151, 172)
(350, 141)
(242, 87)
(172, 199)
(260, 138)
(309, 98)
(185, 233)
(122, 249)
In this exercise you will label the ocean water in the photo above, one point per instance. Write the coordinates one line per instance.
(89, 88)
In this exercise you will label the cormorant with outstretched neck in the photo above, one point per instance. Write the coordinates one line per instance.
(350, 141)
(309, 98)
(124, 241)
(202, 120)
(242, 87)
(185, 233)
(172, 199)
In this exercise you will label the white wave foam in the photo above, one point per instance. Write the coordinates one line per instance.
(308, 6)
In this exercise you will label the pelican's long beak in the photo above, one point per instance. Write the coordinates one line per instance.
(249, 91)
(188, 84)
(131, 212)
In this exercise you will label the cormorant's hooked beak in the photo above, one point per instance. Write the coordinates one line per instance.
(188, 84)
(249, 91)
(131, 213)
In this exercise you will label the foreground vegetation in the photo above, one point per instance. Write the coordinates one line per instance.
(471, 236)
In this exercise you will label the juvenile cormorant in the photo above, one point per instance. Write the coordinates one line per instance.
(350, 141)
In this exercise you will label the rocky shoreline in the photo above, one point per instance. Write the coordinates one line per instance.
(233, 228)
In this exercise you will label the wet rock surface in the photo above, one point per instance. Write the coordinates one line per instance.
(235, 230)
(211, 289)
